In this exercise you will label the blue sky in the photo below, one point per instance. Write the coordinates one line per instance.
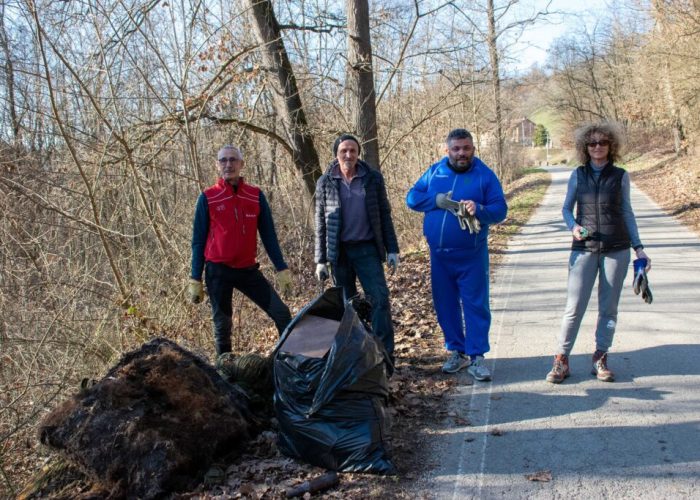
(536, 39)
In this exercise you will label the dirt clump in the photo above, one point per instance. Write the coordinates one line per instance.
(153, 425)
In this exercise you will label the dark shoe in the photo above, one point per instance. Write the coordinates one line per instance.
(600, 367)
(560, 369)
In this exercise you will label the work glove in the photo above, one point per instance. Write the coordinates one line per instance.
(466, 221)
(284, 282)
(445, 201)
(322, 272)
(641, 282)
(196, 291)
(392, 260)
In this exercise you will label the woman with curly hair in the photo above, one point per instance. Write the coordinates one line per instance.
(604, 228)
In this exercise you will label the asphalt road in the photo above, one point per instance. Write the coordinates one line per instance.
(638, 437)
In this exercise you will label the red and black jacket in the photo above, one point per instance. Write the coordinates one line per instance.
(226, 225)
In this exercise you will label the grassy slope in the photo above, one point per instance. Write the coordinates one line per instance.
(672, 182)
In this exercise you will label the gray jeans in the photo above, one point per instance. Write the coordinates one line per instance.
(584, 267)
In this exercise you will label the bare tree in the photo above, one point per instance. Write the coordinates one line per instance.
(665, 12)
(9, 71)
(361, 98)
(494, 53)
(286, 97)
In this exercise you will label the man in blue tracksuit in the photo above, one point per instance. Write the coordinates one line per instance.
(458, 194)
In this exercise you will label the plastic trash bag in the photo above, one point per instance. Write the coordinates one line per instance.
(331, 388)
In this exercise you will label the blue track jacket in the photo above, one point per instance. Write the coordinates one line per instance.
(440, 227)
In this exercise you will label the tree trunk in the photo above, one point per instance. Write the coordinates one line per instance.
(677, 128)
(496, 86)
(361, 98)
(285, 93)
(9, 79)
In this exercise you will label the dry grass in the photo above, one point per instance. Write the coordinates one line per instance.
(418, 388)
(671, 181)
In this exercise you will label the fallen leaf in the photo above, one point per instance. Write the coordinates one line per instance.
(246, 489)
(543, 476)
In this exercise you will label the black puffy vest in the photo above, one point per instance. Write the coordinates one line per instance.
(599, 209)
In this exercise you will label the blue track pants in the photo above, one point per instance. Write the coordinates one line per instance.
(460, 282)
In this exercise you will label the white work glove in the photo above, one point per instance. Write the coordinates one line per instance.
(322, 272)
(392, 260)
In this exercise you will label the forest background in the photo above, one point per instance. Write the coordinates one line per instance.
(112, 111)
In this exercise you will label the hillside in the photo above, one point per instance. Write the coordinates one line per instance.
(673, 182)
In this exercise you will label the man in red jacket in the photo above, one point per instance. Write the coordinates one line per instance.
(228, 217)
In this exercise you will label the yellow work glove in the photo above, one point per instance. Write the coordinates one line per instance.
(196, 291)
(284, 282)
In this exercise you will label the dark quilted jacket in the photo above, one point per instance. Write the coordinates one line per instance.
(328, 217)
(599, 209)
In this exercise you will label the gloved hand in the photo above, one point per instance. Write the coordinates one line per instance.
(641, 282)
(196, 291)
(392, 260)
(322, 273)
(284, 281)
(468, 221)
(445, 201)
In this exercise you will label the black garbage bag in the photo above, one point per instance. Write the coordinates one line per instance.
(331, 388)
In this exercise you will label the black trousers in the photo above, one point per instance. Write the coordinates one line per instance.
(221, 280)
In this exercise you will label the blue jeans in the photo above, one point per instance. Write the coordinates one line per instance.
(221, 280)
(361, 260)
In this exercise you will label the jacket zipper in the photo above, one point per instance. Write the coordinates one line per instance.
(597, 208)
(444, 216)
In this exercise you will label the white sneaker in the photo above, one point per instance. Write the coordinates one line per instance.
(455, 362)
(478, 369)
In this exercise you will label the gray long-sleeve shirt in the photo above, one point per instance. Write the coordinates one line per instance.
(627, 213)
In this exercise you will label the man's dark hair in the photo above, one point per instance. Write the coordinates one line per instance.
(459, 133)
(345, 137)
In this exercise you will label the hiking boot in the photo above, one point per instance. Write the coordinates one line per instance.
(478, 369)
(455, 362)
(600, 367)
(560, 369)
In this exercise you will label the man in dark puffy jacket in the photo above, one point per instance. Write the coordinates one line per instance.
(460, 197)
(355, 233)
(228, 217)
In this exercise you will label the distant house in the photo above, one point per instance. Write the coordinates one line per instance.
(522, 132)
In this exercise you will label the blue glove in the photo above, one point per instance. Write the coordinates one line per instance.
(641, 281)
